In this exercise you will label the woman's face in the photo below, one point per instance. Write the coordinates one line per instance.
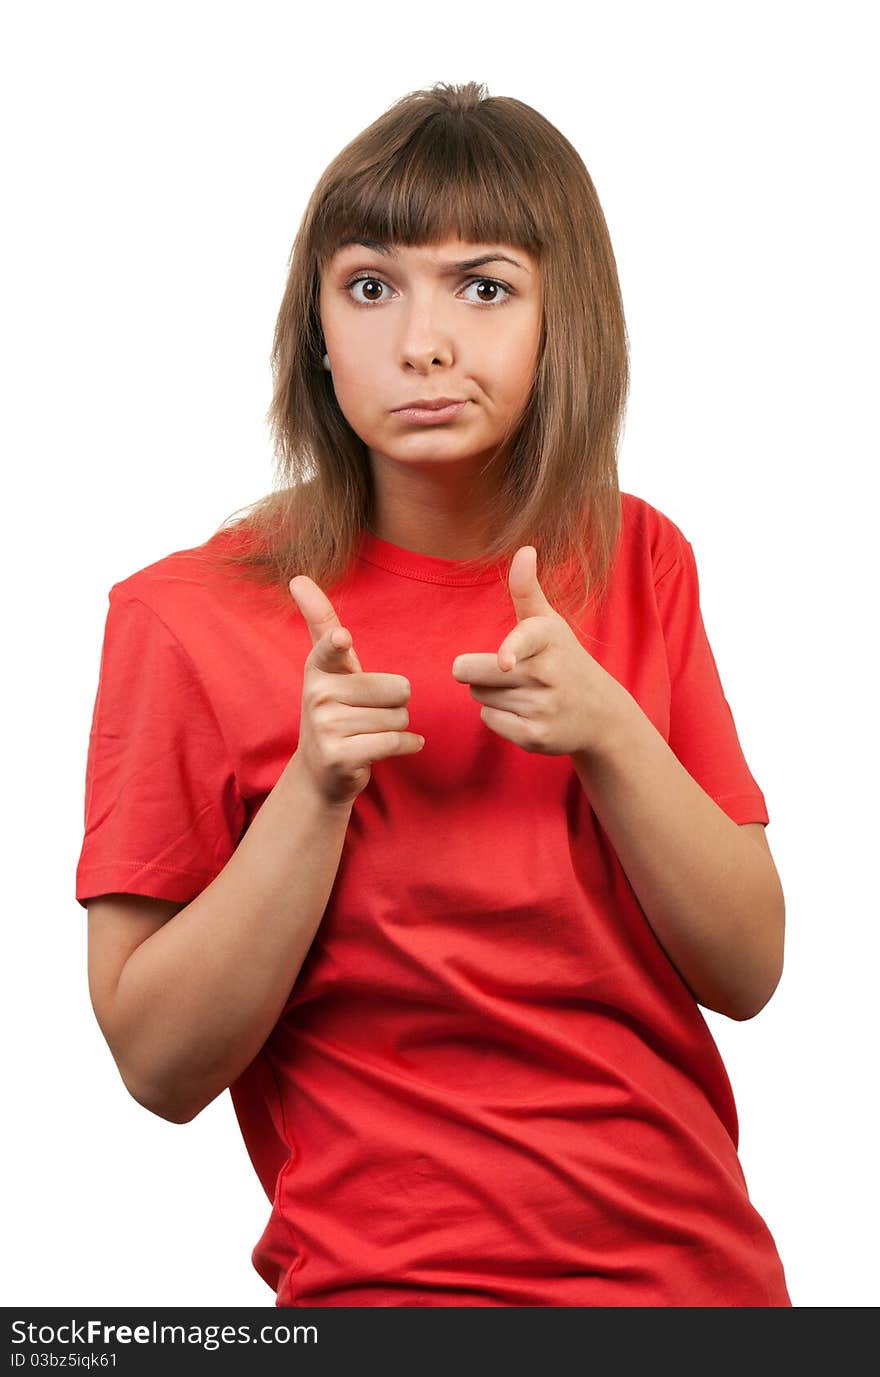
(417, 324)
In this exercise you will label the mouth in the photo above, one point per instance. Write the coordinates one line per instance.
(429, 404)
(431, 412)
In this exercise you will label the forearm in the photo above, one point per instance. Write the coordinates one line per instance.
(712, 896)
(196, 1001)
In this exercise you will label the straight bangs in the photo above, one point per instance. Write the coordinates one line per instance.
(448, 180)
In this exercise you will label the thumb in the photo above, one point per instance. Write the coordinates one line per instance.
(527, 595)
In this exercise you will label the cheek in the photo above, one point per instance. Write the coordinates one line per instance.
(358, 372)
(358, 400)
(353, 384)
(356, 412)
(514, 368)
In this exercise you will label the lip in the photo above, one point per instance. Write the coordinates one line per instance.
(428, 403)
(439, 410)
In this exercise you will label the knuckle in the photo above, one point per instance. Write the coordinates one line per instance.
(332, 753)
(326, 694)
(323, 716)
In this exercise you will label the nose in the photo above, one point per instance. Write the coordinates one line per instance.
(426, 338)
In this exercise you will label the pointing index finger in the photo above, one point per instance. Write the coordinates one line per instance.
(479, 669)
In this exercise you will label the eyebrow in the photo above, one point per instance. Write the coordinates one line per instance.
(448, 269)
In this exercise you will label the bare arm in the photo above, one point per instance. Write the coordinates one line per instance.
(197, 999)
(201, 986)
(709, 889)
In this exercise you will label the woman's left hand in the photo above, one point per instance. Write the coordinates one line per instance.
(543, 690)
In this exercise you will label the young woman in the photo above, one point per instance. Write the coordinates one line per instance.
(444, 931)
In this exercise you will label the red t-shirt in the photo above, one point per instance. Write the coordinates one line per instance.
(489, 1084)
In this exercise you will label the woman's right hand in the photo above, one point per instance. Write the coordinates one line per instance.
(348, 719)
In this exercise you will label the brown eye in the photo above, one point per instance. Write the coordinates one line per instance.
(371, 283)
(496, 287)
(484, 282)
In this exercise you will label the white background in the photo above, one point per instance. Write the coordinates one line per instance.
(157, 160)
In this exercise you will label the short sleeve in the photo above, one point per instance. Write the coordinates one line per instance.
(162, 809)
(702, 732)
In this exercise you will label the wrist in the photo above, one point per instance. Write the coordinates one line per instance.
(301, 781)
(622, 713)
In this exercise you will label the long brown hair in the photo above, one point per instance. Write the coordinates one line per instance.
(453, 161)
